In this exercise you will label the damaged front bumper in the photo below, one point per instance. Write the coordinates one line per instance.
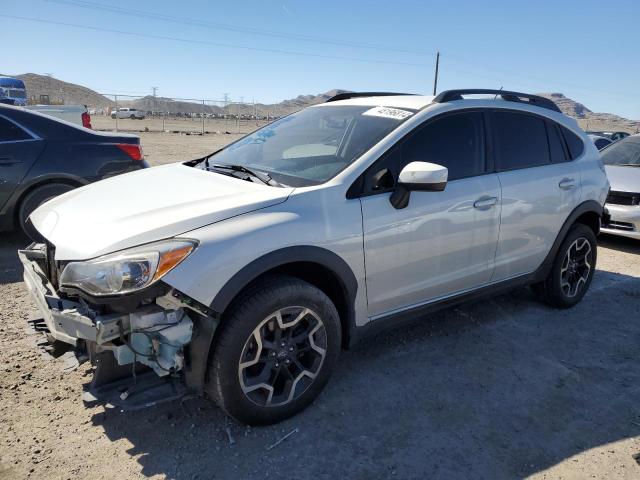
(166, 338)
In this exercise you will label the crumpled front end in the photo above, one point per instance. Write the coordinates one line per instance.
(145, 348)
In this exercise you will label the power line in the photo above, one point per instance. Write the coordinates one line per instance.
(233, 28)
(214, 44)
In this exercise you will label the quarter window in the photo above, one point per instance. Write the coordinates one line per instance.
(520, 141)
(576, 147)
(10, 132)
(556, 148)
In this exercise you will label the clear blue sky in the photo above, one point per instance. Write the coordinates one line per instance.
(586, 49)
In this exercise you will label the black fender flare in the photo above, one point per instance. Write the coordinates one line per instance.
(588, 206)
(278, 258)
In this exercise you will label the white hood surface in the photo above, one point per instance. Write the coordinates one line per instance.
(145, 206)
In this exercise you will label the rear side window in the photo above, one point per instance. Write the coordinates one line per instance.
(10, 132)
(454, 141)
(574, 143)
(556, 148)
(520, 141)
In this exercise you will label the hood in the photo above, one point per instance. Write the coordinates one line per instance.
(623, 179)
(145, 206)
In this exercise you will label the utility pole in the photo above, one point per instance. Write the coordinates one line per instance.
(155, 91)
(435, 78)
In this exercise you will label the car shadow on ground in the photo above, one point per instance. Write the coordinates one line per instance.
(502, 388)
(10, 266)
(622, 244)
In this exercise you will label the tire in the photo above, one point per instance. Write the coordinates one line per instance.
(33, 200)
(113, 117)
(568, 282)
(241, 359)
(132, 117)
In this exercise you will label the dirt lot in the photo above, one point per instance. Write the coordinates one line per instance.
(505, 388)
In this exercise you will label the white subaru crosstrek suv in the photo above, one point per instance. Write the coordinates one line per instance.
(242, 274)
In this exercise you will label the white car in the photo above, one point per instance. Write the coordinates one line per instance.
(126, 112)
(240, 275)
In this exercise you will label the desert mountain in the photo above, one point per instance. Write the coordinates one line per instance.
(70, 93)
(61, 92)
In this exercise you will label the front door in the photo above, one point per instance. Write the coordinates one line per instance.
(443, 242)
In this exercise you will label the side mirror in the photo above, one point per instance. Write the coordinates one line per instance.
(420, 176)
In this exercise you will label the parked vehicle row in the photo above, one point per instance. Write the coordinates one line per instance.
(42, 157)
(622, 163)
(242, 274)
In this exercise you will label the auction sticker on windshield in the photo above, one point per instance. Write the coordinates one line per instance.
(388, 112)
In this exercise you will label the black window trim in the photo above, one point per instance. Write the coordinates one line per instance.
(356, 190)
(566, 142)
(550, 124)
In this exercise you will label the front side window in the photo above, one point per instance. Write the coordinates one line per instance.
(455, 141)
(10, 132)
(313, 145)
(625, 152)
(520, 141)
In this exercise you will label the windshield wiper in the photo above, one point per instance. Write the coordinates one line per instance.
(625, 164)
(262, 176)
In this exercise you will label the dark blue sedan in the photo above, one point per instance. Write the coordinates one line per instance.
(42, 157)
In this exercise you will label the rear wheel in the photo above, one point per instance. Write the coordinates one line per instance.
(33, 200)
(572, 270)
(274, 352)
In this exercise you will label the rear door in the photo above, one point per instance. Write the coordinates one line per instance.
(18, 152)
(540, 187)
(442, 242)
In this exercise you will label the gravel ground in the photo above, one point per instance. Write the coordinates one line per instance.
(504, 388)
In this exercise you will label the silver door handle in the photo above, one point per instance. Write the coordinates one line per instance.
(485, 203)
(567, 183)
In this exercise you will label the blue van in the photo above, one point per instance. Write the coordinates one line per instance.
(12, 91)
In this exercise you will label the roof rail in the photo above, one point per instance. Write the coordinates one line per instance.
(536, 100)
(348, 95)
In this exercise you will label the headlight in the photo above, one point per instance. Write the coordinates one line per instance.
(128, 270)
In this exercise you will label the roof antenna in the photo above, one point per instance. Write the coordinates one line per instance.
(498, 93)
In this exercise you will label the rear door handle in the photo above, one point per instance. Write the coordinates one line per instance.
(567, 183)
(8, 161)
(485, 203)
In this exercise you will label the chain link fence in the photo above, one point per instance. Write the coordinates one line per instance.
(127, 113)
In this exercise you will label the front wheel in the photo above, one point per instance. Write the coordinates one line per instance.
(274, 352)
(572, 270)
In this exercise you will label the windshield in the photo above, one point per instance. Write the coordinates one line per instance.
(313, 145)
(13, 93)
(622, 152)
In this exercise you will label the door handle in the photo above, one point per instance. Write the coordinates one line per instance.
(567, 183)
(8, 161)
(485, 203)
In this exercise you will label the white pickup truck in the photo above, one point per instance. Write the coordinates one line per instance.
(77, 114)
(126, 112)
